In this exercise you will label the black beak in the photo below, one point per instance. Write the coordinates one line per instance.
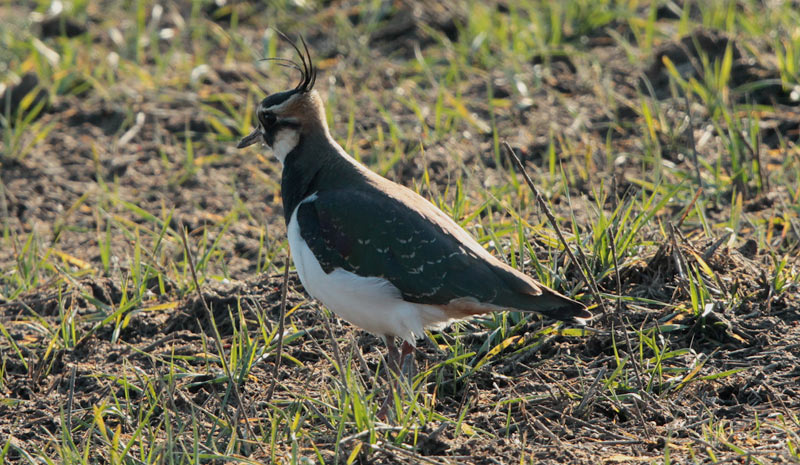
(250, 139)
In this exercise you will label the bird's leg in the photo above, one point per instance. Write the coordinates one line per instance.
(394, 360)
(396, 364)
(393, 366)
(406, 349)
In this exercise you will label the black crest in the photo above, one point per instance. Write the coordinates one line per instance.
(308, 73)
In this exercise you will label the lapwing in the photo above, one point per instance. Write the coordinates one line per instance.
(374, 252)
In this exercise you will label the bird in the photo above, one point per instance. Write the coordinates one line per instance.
(372, 251)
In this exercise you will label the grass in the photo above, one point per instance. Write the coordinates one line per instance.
(678, 180)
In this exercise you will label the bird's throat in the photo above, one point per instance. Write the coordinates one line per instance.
(284, 141)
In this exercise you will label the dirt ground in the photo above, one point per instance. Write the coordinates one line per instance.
(81, 178)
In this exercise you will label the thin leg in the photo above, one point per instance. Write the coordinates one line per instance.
(395, 359)
(393, 366)
(406, 349)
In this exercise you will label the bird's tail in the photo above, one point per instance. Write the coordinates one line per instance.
(553, 305)
(526, 294)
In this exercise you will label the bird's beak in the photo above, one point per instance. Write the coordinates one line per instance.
(250, 139)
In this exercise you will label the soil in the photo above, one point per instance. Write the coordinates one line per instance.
(79, 180)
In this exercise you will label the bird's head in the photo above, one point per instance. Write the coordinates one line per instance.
(284, 116)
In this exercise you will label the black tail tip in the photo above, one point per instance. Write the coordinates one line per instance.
(572, 312)
(583, 318)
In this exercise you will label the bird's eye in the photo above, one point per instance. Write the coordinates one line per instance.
(267, 119)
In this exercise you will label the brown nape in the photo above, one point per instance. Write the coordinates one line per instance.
(309, 110)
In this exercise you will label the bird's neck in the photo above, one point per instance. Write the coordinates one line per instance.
(317, 162)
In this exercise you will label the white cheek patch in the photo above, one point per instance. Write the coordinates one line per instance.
(285, 141)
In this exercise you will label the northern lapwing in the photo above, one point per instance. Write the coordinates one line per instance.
(372, 251)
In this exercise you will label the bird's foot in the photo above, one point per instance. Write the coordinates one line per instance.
(386, 407)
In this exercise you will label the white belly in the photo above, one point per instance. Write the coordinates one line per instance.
(371, 303)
